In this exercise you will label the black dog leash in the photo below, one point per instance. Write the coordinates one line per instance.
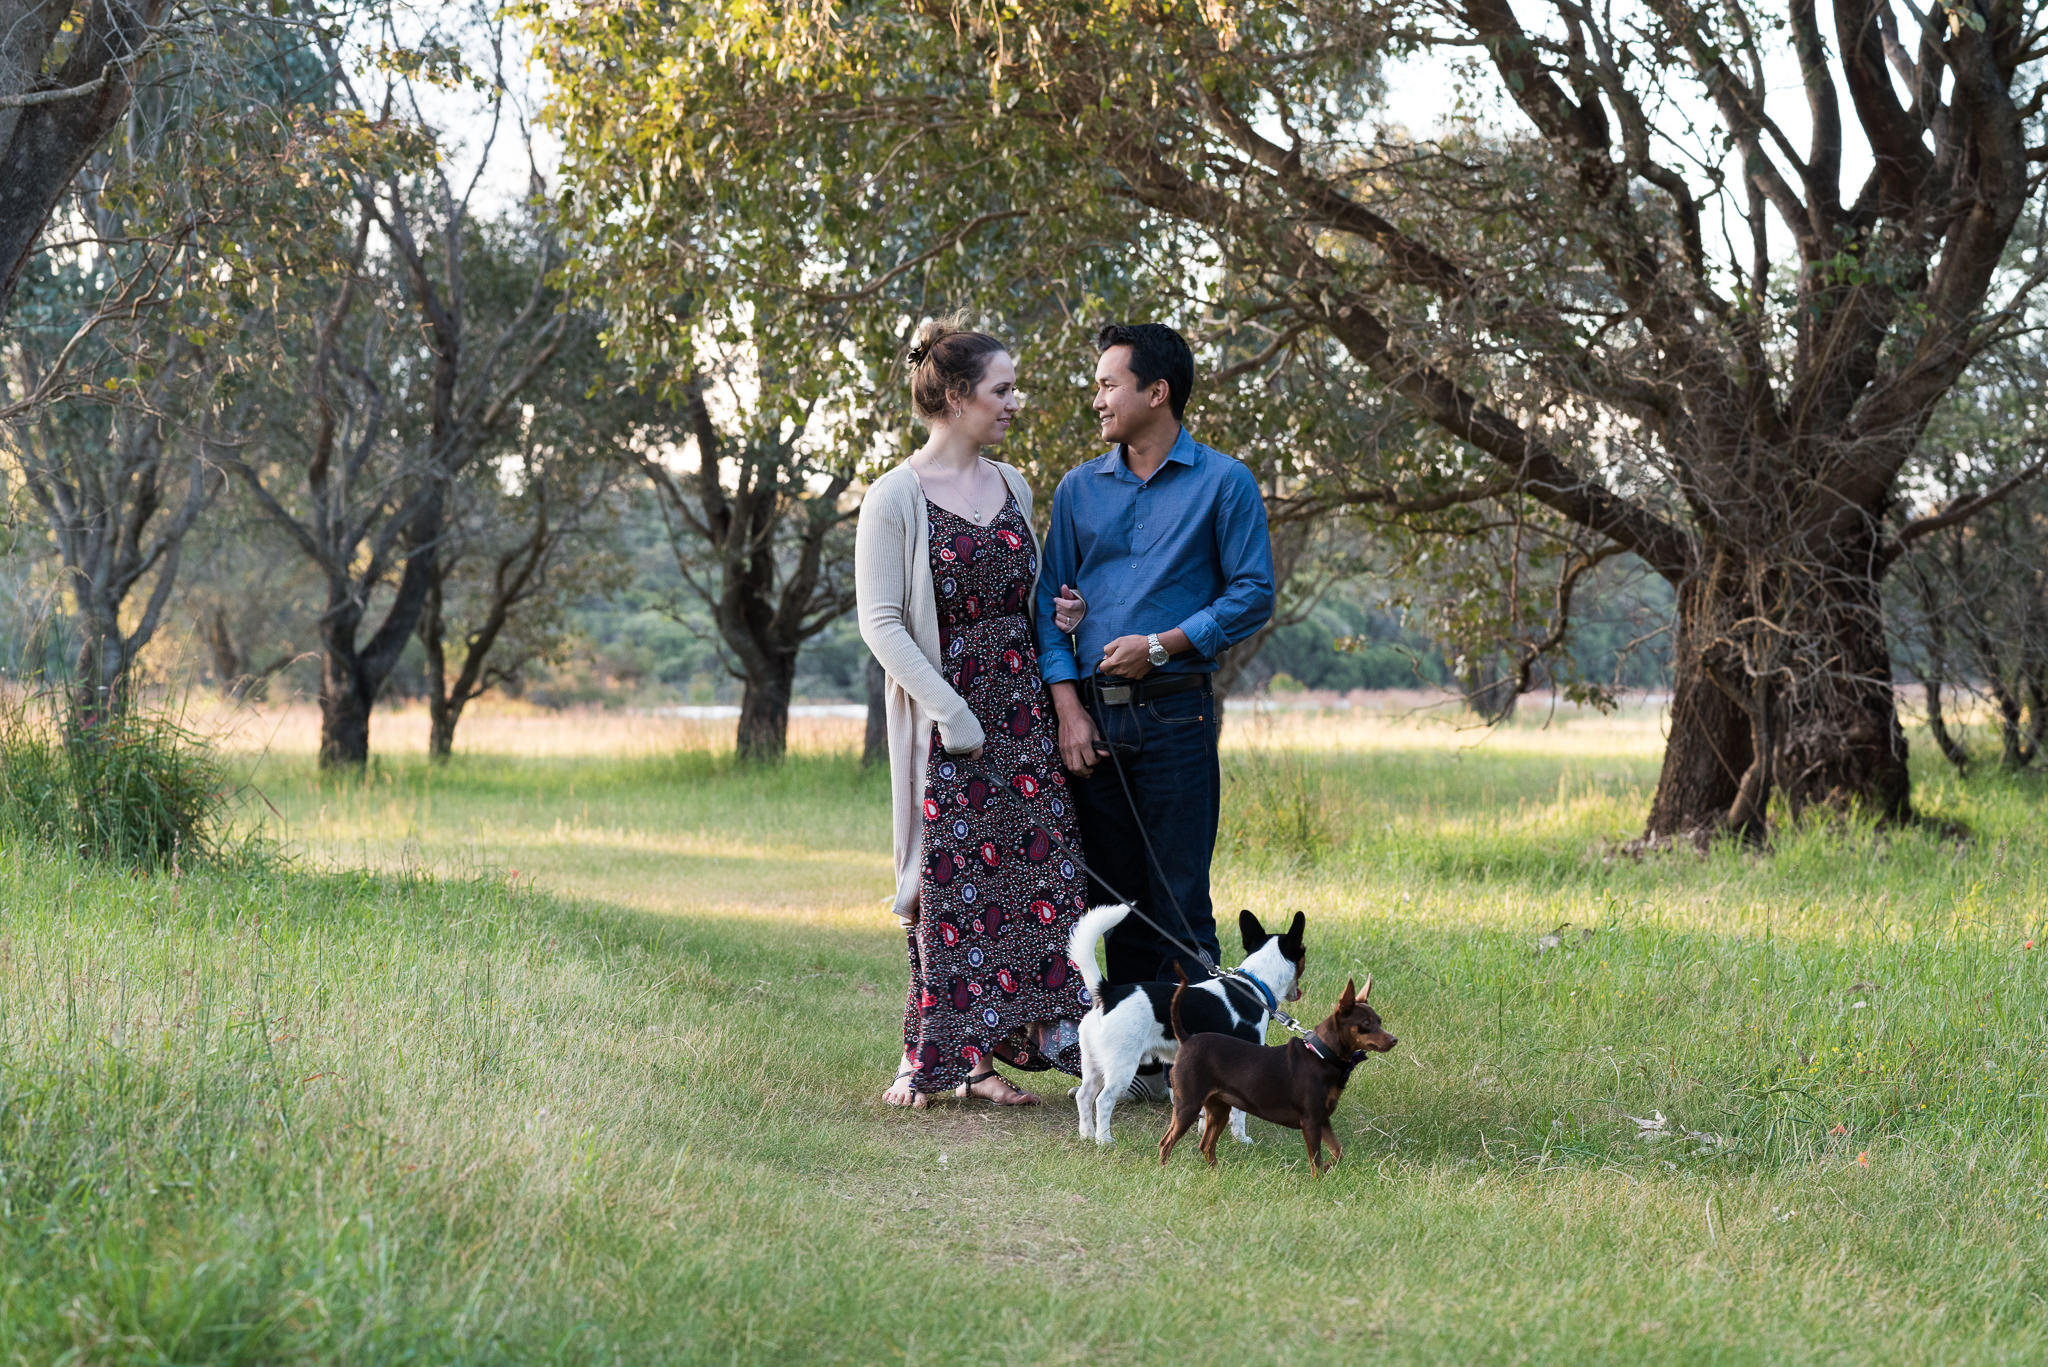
(1123, 781)
(1267, 997)
(1265, 994)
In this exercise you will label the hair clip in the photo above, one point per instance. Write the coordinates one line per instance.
(917, 355)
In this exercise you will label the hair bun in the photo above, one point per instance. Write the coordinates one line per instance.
(930, 333)
(946, 359)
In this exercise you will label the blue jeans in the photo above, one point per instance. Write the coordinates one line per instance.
(1167, 752)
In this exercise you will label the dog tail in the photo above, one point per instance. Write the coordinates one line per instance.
(1095, 923)
(1173, 1011)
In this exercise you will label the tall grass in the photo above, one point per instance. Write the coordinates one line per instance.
(135, 788)
(266, 1115)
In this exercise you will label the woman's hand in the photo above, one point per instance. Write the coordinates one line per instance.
(1068, 608)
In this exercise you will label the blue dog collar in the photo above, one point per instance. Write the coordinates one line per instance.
(1265, 993)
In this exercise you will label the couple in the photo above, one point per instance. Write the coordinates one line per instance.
(1001, 723)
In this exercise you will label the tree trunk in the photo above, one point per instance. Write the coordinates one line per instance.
(1489, 688)
(2015, 753)
(1839, 742)
(441, 719)
(346, 695)
(1937, 722)
(1708, 750)
(1236, 665)
(230, 665)
(1801, 705)
(764, 710)
(1936, 671)
(442, 711)
(344, 722)
(874, 748)
(99, 684)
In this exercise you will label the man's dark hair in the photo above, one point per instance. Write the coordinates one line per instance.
(1157, 353)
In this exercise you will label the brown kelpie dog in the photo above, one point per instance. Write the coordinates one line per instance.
(1296, 1084)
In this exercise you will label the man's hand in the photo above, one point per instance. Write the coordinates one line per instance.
(1127, 657)
(1080, 745)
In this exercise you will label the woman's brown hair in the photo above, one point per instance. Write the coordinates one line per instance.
(946, 363)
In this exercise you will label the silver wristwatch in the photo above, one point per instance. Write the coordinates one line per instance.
(1155, 652)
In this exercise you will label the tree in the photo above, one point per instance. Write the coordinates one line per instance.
(1970, 603)
(765, 548)
(1580, 302)
(407, 376)
(524, 539)
(125, 313)
(101, 476)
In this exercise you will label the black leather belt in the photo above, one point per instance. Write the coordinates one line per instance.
(1114, 692)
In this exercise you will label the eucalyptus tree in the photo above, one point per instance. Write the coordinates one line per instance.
(406, 376)
(761, 529)
(772, 290)
(1970, 600)
(530, 529)
(1974, 623)
(1634, 309)
(127, 312)
(117, 487)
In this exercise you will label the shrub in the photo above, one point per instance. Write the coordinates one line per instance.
(133, 789)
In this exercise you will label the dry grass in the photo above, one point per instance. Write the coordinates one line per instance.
(498, 727)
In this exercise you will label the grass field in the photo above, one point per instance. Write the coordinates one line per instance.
(561, 1056)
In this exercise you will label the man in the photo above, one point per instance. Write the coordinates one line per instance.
(1166, 540)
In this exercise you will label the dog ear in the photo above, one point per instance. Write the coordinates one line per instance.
(1368, 988)
(1293, 934)
(1254, 934)
(1350, 997)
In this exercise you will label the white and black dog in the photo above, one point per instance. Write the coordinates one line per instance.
(1128, 1023)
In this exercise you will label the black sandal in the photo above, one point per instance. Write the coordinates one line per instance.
(909, 1105)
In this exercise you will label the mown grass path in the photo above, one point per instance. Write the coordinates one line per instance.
(625, 1105)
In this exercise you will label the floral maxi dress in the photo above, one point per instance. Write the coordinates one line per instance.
(1000, 891)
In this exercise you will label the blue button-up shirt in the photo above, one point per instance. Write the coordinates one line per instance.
(1186, 548)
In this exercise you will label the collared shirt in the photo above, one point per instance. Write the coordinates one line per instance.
(1186, 548)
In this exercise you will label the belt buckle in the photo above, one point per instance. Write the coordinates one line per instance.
(1114, 695)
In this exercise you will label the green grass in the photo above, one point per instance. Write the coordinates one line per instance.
(624, 1106)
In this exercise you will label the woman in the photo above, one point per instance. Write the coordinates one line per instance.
(946, 566)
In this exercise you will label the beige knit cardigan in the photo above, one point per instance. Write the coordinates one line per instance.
(899, 620)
